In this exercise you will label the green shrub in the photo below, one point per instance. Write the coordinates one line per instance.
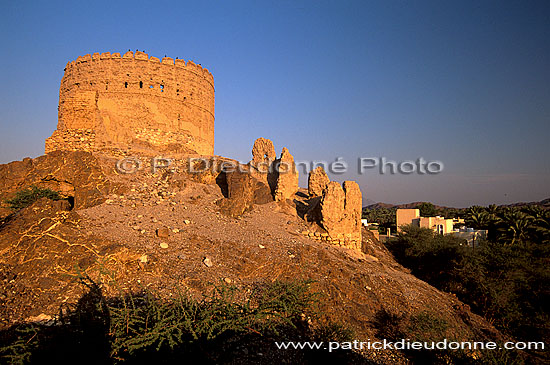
(504, 282)
(437, 259)
(334, 332)
(24, 198)
(142, 327)
(144, 322)
(426, 326)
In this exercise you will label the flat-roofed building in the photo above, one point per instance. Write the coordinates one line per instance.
(412, 216)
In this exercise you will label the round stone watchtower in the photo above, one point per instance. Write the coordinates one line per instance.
(135, 103)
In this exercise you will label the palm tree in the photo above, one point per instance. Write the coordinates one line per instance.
(477, 217)
(541, 222)
(535, 211)
(492, 209)
(494, 221)
(516, 226)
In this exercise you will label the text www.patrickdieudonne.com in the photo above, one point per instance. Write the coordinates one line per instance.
(406, 344)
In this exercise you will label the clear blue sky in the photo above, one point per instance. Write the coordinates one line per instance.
(463, 82)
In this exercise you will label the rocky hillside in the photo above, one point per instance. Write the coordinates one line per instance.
(172, 229)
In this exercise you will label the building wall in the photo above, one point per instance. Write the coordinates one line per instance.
(412, 216)
(109, 101)
(433, 223)
(406, 216)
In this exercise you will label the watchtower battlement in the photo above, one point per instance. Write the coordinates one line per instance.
(135, 102)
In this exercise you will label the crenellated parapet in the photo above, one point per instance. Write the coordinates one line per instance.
(119, 96)
(142, 56)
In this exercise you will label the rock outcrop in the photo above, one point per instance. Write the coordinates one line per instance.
(317, 182)
(77, 175)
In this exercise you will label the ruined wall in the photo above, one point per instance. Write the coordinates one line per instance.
(135, 102)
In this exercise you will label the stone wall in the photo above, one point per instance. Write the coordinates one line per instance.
(335, 208)
(135, 101)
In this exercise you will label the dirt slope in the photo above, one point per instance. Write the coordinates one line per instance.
(42, 246)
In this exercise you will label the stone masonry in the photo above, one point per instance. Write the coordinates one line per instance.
(287, 179)
(264, 179)
(335, 208)
(263, 154)
(135, 102)
(317, 182)
(263, 163)
(341, 209)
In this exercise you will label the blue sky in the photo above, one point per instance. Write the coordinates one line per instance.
(463, 82)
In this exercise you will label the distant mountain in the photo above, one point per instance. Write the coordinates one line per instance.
(369, 202)
(402, 206)
(545, 204)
